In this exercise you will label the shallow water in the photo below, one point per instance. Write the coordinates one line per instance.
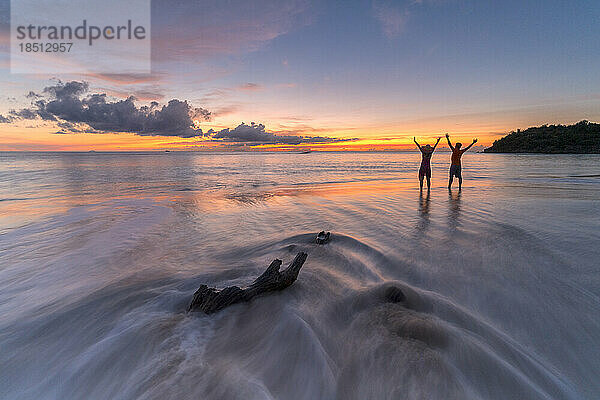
(101, 253)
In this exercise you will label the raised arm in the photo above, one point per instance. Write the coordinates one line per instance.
(469, 146)
(449, 144)
(436, 143)
(419, 146)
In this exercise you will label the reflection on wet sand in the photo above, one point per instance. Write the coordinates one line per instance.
(454, 208)
(424, 202)
(222, 200)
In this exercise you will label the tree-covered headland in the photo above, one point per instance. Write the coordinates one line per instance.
(582, 137)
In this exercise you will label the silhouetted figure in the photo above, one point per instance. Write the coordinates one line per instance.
(455, 167)
(425, 170)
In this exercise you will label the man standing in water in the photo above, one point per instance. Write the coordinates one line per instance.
(455, 167)
(425, 170)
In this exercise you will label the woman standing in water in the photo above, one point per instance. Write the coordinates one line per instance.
(425, 170)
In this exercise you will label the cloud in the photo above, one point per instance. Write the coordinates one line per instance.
(257, 134)
(33, 95)
(150, 94)
(226, 110)
(251, 87)
(128, 79)
(73, 110)
(4, 25)
(391, 17)
(290, 85)
(69, 103)
(192, 30)
(25, 114)
(70, 127)
(215, 94)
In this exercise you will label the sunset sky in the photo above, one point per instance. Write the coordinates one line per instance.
(374, 72)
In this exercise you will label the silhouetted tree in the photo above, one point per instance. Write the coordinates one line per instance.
(582, 137)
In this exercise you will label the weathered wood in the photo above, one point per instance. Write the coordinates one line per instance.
(322, 237)
(210, 300)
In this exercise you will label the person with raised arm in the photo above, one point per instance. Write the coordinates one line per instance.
(425, 169)
(455, 166)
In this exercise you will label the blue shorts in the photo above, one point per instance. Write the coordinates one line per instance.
(455, 171)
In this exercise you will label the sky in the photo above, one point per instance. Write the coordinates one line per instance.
(325, 75)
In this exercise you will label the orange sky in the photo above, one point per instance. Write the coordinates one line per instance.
(22, 138)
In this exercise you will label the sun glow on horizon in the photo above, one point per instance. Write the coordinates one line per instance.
(44, 139)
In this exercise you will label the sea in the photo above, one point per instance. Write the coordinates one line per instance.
(100, 254)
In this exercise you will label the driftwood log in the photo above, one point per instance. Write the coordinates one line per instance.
(210, 300)
(322, 237)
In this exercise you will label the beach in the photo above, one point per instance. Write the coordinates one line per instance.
(100, 254)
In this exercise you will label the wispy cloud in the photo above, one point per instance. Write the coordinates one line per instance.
(250, 87)
(128, 79)
(143, 94)
(225, 110)
(194, 30)
(393, 15)
(289, 85)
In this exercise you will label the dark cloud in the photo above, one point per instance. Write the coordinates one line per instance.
(73, 111)
(70, 127)
(33, 95)
(24, 114)
(257, 134)
(68, 103)
(67, 125)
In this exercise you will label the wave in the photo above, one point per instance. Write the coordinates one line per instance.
(342, 331)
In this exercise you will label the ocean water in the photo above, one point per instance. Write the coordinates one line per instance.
(100, 255)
